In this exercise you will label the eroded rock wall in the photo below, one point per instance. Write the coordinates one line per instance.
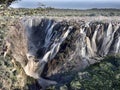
(47, 46)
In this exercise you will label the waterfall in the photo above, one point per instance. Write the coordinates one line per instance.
(38, 41)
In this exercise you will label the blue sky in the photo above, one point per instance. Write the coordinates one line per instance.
(75, 0)
(71, 4)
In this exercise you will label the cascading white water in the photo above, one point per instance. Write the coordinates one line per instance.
(55, 46)
(51, 39)
(90, 48)
(45, 39)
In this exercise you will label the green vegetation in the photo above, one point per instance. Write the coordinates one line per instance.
(57, 12)
(100, 76)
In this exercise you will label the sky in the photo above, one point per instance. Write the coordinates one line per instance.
(72, 0)
(68, 4)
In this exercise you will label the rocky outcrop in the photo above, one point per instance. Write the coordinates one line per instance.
(45, 47)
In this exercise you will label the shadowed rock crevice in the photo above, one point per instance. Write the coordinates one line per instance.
(51, 48)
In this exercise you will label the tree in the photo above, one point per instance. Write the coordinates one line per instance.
(7, 2)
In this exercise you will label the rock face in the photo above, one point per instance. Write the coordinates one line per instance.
(49, 46)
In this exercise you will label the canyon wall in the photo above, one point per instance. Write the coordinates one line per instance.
(47, 47)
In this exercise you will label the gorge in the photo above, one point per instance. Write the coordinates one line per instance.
(47, 47)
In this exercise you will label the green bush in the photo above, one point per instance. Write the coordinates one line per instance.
(100, 76)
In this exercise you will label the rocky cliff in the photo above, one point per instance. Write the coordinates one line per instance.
(51, 47)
